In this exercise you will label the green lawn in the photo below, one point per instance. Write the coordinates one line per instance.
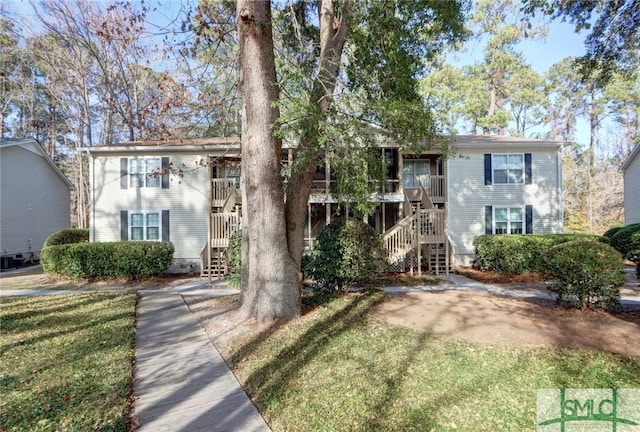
(66, 362)
(339, 369)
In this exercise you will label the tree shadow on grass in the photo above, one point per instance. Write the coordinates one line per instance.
(269, 382)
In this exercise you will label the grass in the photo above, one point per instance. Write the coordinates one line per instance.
(66, 362)
(340, 369)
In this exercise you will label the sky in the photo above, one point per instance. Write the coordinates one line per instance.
(560, 42)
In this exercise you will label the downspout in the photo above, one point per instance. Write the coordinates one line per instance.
(445, 192)
(209, 216)
(92, 202)
(560, 192)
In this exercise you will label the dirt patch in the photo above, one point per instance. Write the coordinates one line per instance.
(513, 322)
(220, 319)
(517, 322)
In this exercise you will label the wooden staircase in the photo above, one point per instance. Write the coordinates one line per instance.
(420, 236)
(218, 264)
(437, 259)
(224, 222)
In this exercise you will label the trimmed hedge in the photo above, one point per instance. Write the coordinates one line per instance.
(584, 273)
(611, 231)
(627, 240)
(67, 236)
(348, 252)
(517, 254)
(130, 259)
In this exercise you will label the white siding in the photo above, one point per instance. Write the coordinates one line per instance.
(34, 200)
(468, 196)
(632, 191)
(187, 200)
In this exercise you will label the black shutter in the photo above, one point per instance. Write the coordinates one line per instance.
(124, 225)
(165, 173)
(488, 219)
(527, 168)
(124, 173)
(165, 225)
(487, 169)
(528, 219)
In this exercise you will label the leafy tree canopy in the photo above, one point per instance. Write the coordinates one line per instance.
(614, 39)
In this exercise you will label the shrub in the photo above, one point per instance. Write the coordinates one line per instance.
(67, 236)
(627, 239)
(130, 259)
(349, 251)
(635, 257)
(234, 256)
(518, 254)
(584, 273)
(611, 231)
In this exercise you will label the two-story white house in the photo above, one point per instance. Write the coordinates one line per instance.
(428, 210)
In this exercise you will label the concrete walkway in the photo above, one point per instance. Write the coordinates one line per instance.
(181, 381)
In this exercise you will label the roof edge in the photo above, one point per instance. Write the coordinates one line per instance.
(634, 152)
(39, 149)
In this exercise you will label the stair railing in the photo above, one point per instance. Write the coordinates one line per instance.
(223, 226)
(400, 239)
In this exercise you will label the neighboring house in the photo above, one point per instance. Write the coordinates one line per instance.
(34, 198)
(428, 210)
(631, 171)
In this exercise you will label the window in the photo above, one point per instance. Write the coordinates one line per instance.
(234, 173)
(144, 172)
(145, 226)
(508, 220)
(412, 169)
(508, 168)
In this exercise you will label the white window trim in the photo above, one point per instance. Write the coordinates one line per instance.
(523, 221)
(493, 168)
(146, 174)
(144, 227)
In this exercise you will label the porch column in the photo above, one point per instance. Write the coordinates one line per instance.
(309, 225)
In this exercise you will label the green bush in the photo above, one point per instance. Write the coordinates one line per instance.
(67, 236)
(584, 273)
(306, 264)
(130, 259)
(635, 257)
(234, 256)
(517, 254)
(611, 231)
(627, 239)
(348, 252)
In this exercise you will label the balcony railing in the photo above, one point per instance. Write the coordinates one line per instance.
(434, 185)
(386, 187)
(220, 190)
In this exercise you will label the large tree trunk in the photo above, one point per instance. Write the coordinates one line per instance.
(270, 286)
